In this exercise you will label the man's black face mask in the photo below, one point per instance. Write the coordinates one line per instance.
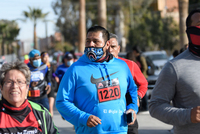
(193, 34)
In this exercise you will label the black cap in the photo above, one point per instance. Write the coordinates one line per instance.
(68, 56)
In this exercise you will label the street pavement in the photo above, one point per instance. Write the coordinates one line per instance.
(147, 124)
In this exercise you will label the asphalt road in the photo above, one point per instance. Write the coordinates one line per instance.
(147, 124)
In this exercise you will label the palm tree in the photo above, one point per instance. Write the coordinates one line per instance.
(34, 15)
(2, 36)
(102, 16)
(82, 26)
(8, 33)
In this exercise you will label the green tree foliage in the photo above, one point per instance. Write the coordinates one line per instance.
(34, 14)
(67, 22)
(8, 33)
(152, 32)
(141, 25)
(65, 46)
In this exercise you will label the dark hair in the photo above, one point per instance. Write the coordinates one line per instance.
(175, 53)
(130, 56)
(188, 20)
(137, 49)
(73, 53)
(43, 53)
(106, 35)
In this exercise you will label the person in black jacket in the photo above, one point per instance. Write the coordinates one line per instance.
(18, 115)
(51, 96)
(40, 83)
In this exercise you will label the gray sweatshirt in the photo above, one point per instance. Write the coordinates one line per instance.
(179, 82)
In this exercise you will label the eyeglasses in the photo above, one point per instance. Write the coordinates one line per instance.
(10, 83)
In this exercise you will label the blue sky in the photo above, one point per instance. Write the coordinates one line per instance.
(12, 9)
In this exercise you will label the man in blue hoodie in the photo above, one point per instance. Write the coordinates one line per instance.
(91, 94)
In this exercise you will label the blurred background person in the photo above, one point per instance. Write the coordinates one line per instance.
(75, 57)
(51, 96)
(68, 60)
(17, 114)
(175, 53)
(130, 56)
(141, 61)
(40, 83)
(184, 48)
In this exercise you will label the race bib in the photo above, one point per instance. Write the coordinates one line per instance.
(34, 93)
(36, 76)
(108, 92)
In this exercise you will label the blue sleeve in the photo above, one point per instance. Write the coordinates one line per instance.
(65, 101)
(132, 89)
(48, 75)
(58, 73)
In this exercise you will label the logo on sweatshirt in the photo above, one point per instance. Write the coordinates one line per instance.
(96, 80)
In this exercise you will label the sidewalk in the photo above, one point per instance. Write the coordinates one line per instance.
(147, 124)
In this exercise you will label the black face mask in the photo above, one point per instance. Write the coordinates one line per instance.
(193, 34)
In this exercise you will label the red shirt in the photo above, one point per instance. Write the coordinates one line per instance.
(138, 77)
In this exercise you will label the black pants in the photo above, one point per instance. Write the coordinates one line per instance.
(144, 103)
(133, 129)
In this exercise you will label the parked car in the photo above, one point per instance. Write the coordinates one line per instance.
(158, 58)
(122, 54)
(155, 61)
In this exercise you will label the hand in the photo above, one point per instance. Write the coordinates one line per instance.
(48, 88)
(34, 83)
(195, 115)
(138, 102)
(134, 116)
(93, 121)
(57, 79)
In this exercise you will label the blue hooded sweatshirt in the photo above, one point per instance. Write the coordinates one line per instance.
(93, 88)
(60, 71)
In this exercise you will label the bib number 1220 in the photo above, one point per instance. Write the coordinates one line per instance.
(109, 93)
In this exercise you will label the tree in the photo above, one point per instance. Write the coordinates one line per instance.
(8, 32)
(82, 26)
(154, 32)
(102, 14)
(34, 14)
(67, 22)
(135, 15)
